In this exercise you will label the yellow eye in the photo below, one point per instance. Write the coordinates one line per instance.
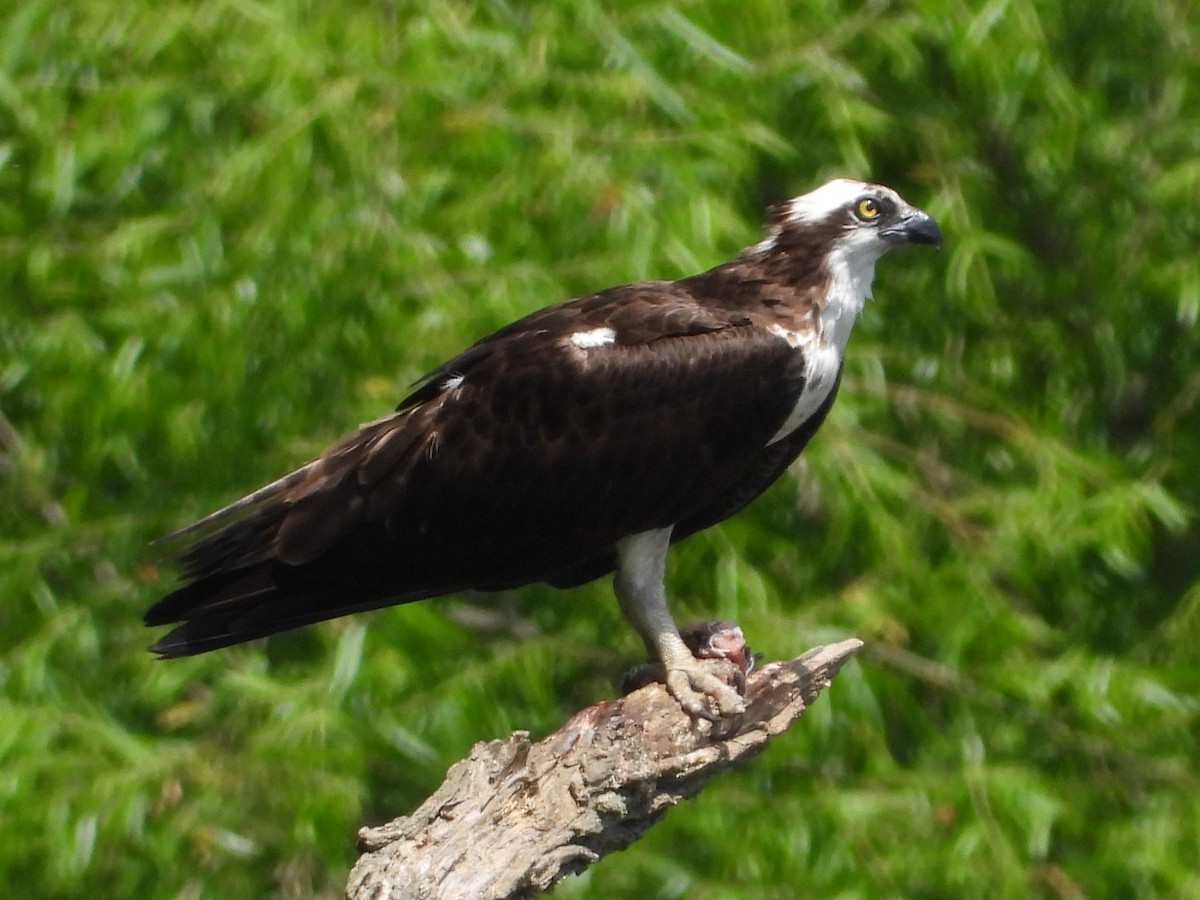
(867, 209)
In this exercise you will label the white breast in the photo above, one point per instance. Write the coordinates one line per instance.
(825, 346)
(822, 359)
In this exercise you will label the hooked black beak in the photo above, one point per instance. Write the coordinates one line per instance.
(915, 227)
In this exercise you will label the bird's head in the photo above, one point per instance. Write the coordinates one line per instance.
(852, 219)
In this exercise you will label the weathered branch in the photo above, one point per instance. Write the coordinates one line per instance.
(514, 817)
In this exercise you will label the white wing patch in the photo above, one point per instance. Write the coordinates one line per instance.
(795, 339)
(597, 337)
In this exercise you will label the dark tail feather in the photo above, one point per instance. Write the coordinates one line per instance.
(234, 547)
(208, 595)
(242, 606)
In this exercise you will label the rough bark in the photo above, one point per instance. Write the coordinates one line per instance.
(514, 817)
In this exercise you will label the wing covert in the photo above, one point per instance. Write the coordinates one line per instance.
(530, 453)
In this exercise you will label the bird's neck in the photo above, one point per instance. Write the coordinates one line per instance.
(848, 288)
(829, 288)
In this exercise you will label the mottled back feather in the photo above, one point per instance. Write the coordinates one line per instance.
(529, 455)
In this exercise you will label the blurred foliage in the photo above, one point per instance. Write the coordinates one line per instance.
(231, 231)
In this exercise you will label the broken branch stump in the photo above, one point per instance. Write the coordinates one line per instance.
(514, 817)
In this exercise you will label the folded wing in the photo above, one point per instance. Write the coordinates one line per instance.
(524, 459)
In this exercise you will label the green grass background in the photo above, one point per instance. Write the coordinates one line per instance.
(230, 231)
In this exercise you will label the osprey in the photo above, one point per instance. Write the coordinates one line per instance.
(583, 439)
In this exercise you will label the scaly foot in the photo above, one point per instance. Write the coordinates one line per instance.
(701, 693)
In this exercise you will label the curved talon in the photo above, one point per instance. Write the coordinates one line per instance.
(698, 692)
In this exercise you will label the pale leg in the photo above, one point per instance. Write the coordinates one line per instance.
(641, 567)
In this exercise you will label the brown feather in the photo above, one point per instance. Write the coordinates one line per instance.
(529, 455)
